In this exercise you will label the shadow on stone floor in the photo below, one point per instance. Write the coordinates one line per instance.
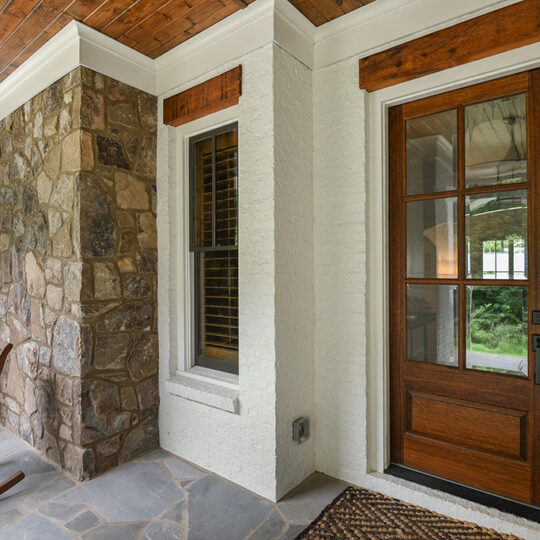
(156, 497)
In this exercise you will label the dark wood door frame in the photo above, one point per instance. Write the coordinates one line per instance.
(517, 395)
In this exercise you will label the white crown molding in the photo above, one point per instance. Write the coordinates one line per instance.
(386, 23)
(239, 34)
(75, 45)
(294, 32)
(114, 59)
(374, 27)
(52, 61)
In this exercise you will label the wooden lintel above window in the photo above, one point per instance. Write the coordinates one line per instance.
(206, 98)
(495, 32)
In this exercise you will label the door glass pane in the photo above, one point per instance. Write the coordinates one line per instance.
(496, 234)
(203, 194)
(497, 329)
(432, 238)
(432, 153)
(432, 330)
(227, 189)
(496, 142)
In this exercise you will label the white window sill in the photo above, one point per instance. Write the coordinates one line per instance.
(212, 390)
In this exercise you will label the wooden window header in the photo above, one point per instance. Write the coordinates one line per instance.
(493, 33)
(206, 98)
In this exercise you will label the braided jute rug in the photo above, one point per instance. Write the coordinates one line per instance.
(362, 514)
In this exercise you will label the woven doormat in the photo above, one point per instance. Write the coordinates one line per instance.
(362, 514)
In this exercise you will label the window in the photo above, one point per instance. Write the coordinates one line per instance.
(214, 244)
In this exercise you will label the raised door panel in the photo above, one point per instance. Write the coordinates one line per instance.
(495, 430)
(502, 476)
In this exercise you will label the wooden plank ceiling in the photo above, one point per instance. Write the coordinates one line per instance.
(151, 27)
(323, 11)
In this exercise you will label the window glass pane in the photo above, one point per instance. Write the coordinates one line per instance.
(227, 189)
(203, 194)
(432, 238)
(496, 234)
(432, 329)
(218, 305)
(432, 153)
(497, 329)
(496, 142)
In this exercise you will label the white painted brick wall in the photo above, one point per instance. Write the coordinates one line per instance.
(295, 309)
(340, 271)
(303, 332)
(240, 447)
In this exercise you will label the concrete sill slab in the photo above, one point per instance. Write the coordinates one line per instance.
(211, 394)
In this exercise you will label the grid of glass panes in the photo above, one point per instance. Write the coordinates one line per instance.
(485, 192)
(214, 210)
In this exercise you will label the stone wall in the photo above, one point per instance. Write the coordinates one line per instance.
(78, 272)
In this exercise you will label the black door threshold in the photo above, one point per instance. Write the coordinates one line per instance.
(509, 506)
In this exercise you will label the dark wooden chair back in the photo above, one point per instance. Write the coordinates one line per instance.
(4, 355)
(17, 477)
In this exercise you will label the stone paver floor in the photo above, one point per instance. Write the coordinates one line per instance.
(156, 497)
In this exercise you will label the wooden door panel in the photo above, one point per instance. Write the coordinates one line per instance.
(494, 430)
(506, 477)
(478, 425)
(492, 389)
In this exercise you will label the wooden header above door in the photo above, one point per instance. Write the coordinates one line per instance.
(495, 32)
(206, 98)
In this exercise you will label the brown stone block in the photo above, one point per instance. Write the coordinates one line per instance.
(106, 281)
(147, 236)
(111, 351)
(123, 113)
(142, 438)
(136, 286)
(148, 394)
(136, 317)
(128, 398)
(92, 110)
(97, 224)
(146, 164)
(131, 193)
(148, 111)
(143, 360)
(80, 462)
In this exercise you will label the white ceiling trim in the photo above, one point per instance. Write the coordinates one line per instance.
(53, 60)
(75, 45)
(386, 23)
(239, 34)
(375, 27)
(114, 59)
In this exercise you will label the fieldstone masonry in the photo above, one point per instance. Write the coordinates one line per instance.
(78, 270)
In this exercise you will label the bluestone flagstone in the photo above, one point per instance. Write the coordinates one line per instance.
(17, 495)
(10, 444)
(6, 518)
(270, 528)
(292, 532)
(176, 513)
(136, 491)
(58, 484)
(180, 469)
(220, 509)
(87, 520)
(162, 531)
(60, 511)
(308, 500)
(126, 531)
(34, 527)
(26, 460)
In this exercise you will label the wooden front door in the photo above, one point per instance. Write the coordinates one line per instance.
(464, 268)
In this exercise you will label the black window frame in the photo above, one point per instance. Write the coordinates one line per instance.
(199, 359)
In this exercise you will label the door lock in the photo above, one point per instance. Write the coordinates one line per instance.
(536, 349)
